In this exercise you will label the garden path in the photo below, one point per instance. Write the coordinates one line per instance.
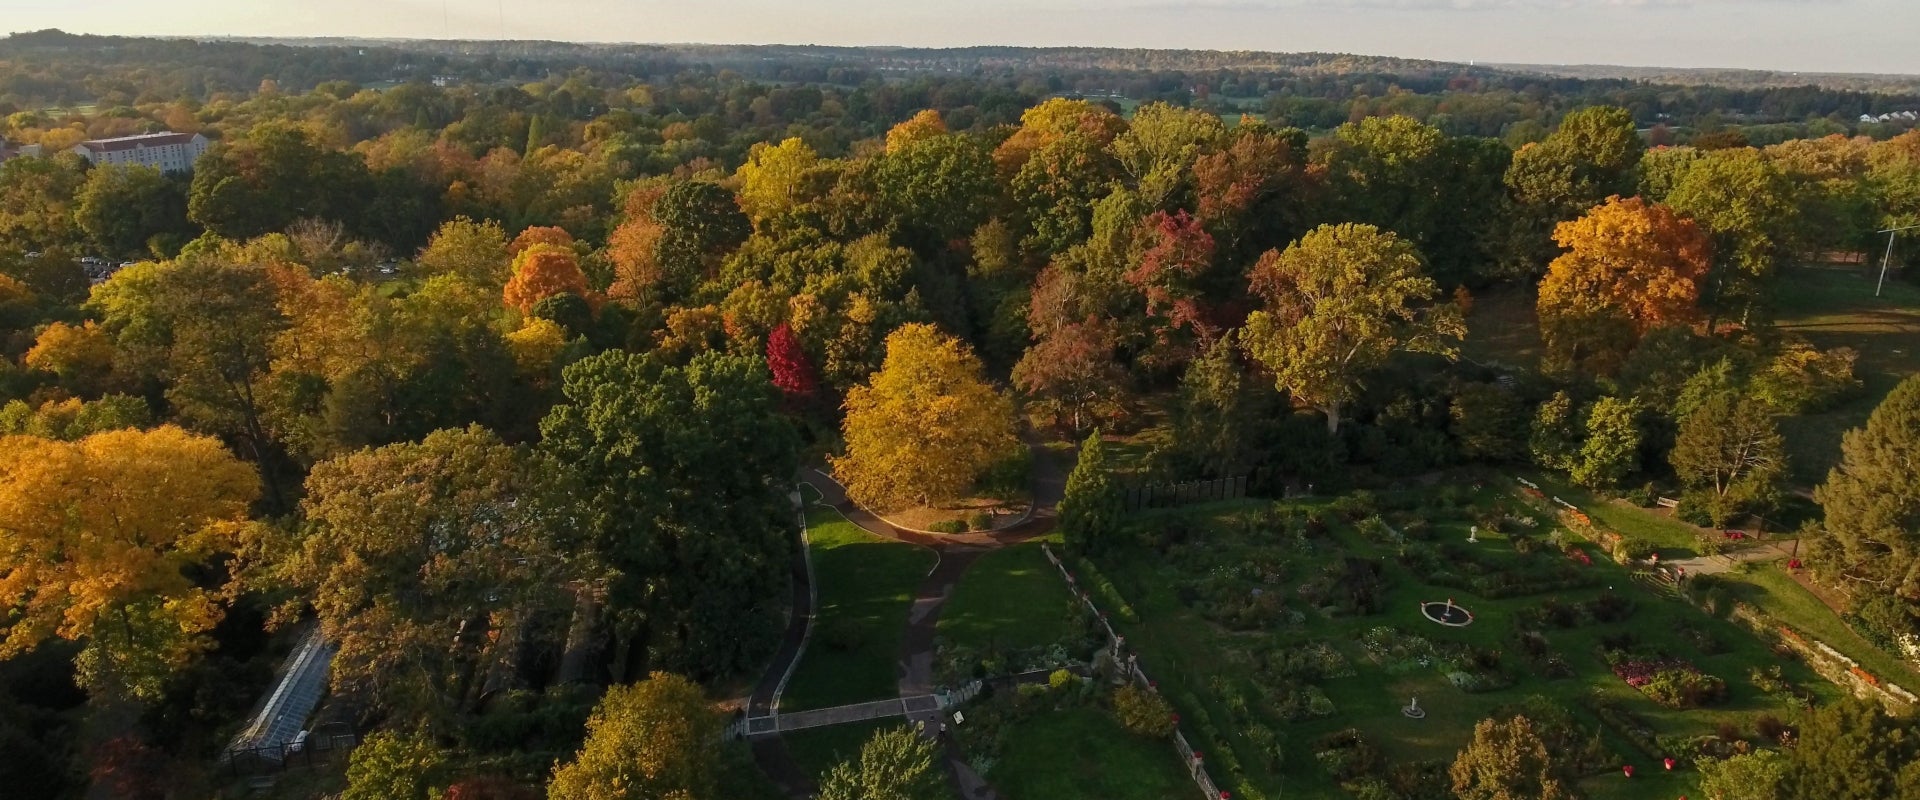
(957, 552)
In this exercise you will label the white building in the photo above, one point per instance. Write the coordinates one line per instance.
(169, 152)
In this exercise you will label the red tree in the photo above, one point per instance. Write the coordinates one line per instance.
(793, 372)
(1178, 254)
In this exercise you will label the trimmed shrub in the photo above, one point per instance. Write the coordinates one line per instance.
(949, 526)
(1143, 712)
(980, 521)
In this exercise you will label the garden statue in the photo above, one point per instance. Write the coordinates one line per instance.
(1413, 710)
(1473, 534)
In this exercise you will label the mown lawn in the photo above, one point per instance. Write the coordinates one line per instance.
(1084, 754)
(865, 587)
(1010, 599)
(1765, 586)
(1773, 591)
(1836, 308)
(817, 750)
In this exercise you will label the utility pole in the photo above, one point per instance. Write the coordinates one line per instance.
(1890, 232)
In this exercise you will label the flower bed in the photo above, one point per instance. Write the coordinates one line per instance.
(1672, 682)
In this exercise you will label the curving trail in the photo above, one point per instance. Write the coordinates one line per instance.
(956, 552)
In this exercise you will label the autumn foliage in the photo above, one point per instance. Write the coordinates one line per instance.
(543, 271)
(792, 371)
(98, 535)
(926, 428)
(1630, 266)
(529, 238)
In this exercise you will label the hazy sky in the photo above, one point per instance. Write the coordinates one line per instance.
(1814, 35)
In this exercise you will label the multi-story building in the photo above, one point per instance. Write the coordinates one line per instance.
(169, 152)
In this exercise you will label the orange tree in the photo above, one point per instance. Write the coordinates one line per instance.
(1630, 266)
(542, 271)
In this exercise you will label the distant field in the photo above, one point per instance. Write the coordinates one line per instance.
(1503, 329)
(1836, 308)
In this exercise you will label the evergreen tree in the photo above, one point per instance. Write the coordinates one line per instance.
(1090, 511)
(1872, 498)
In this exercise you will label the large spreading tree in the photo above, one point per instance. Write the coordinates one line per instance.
(101, 540)
(927, 427)
(688, 469)
(428, 562)
(1337, 303)
(1629, 266)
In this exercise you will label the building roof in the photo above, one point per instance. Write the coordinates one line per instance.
(132, 142)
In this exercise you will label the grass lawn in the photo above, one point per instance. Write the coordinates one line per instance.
(1011, 598)
(741, 778)
(817, 750)
(1084, 754)
(1218, 675)
(1766, 587)
(1836, 308)
(1675, 539)
(865, 587)
(1775, 592)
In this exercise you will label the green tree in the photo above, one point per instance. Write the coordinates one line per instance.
(276, 174)
(37, 202)
(654, 740)
(1337, 304)
(394, 766)
(1746, 203)
(1759, 775)
(1589, 158)
(1090, 511)
(896, 764)
(125, 209)
(1872, 498)
(688, 469)
(1612, 448)
(938, 188)
(700, 223)
(476, 252)
(1852, 750)
(1730, 447)
(1489, 421)
(1506, 760)
(1402, 175)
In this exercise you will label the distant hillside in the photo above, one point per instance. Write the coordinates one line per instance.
(1728, 78)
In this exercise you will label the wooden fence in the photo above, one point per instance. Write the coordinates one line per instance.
(1117, 644)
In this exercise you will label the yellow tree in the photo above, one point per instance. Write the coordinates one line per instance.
(924, 125)
(99, 536)
(774, 178)
(1337, 304)
(654, 740)
(81, 355)
(1630, 266)
(927, 426)
(542, 271)
(474, 251)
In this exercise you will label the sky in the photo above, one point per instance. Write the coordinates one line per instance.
(1791, 35)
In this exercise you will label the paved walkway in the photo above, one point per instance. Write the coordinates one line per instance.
(956, 553)
(770, 751)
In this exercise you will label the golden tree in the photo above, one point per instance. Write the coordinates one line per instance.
(542, 271)
(99, 535)
(924, 125)
(531, 237)
(1630, 266)
(81, 355)
(634, 250)
(927, 426)
(658, 738)
(774, 178)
